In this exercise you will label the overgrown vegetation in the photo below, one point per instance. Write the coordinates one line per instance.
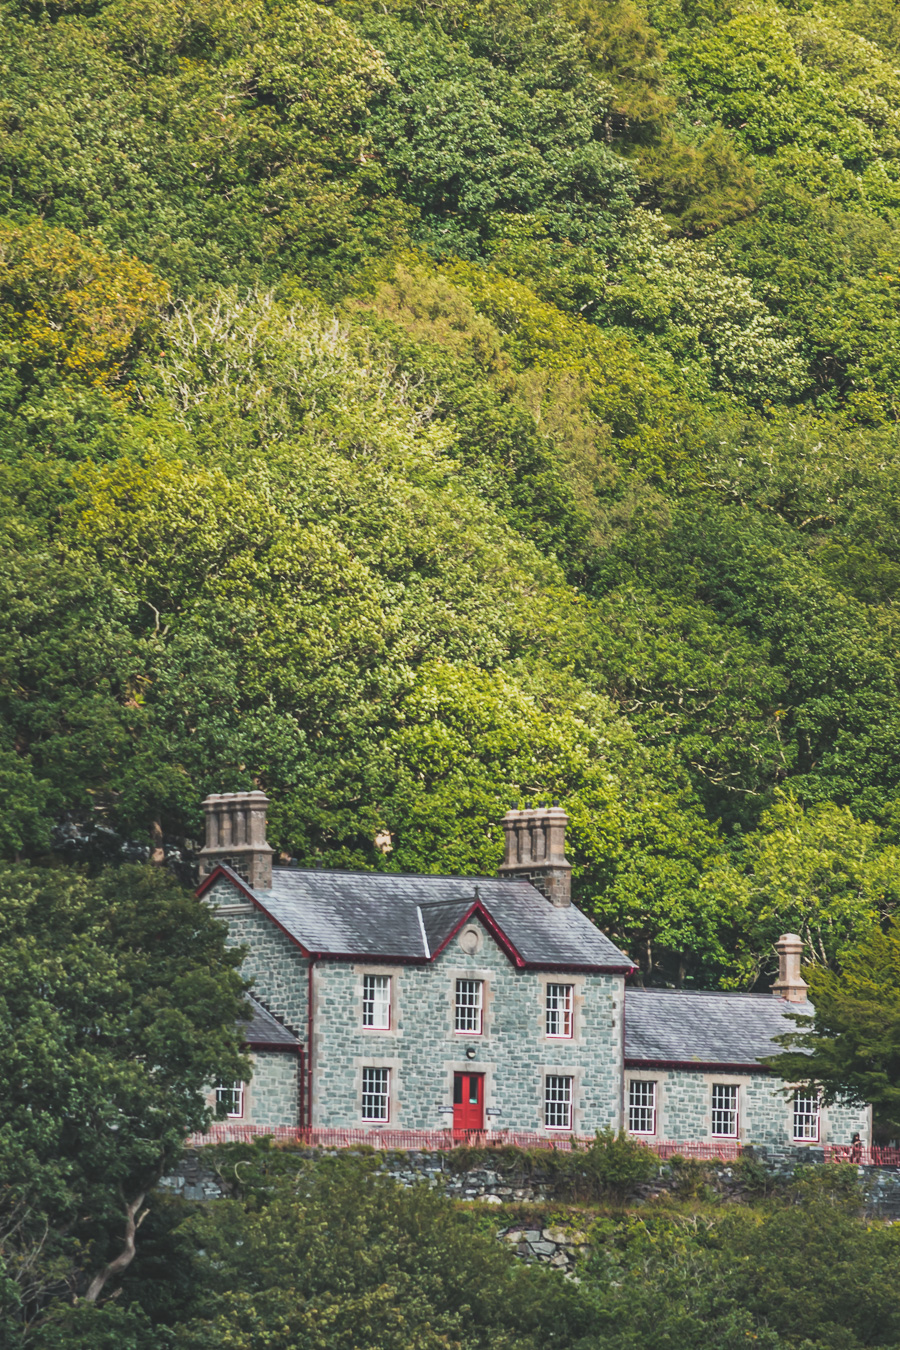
(319, 1251)
(610, 1166)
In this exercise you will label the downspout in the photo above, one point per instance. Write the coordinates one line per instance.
(622, 1115)
(309, 1042)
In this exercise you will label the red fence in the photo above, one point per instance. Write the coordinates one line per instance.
(725, 1150)
(876, 1156)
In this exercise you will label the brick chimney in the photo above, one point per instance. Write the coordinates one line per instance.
(535, 851)
(790, 985)
(236, 835)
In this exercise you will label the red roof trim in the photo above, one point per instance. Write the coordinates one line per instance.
(368, 959)
(701, 1066)
(280, 1047)
(226, 873)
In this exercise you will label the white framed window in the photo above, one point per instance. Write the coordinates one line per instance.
(641, 1107)
(558, 1102)
(725, 1110)
(469, 1005)
(559, 1010)
(806, 1119)
(231, 1096)
(376, 1007)
(376, 1084)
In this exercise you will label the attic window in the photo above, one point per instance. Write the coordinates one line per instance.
(469, 1006)
(376, 1007)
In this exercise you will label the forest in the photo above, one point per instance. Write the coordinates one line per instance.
(413, 409)
(418, 409)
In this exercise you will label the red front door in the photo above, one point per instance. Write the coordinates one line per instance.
(468, 1101)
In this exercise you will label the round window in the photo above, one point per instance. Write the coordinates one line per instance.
(470, 940)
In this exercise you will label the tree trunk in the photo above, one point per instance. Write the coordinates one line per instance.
(126, 1255)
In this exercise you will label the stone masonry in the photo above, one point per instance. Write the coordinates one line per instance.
(274, 964)
(765, 1112)
(272, 1097)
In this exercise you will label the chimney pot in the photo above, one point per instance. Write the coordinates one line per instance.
(790, 985)
(534, 850)
(236, 835)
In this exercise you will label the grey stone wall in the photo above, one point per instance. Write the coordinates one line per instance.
(765, 1114)
(272, 1097)
(195, 1179)
(274, 964)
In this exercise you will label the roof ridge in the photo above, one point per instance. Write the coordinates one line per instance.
(707, 993)
(463, 900)
(400, 876)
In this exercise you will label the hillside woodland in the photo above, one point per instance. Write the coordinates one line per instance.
(414, 409)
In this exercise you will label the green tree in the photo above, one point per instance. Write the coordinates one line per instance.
(850, 1048)
(352, 1260)
(818, 872)
(118, 1008)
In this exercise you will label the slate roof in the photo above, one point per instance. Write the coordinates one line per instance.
(687, 1028)
(392, 917)
(265, 1032)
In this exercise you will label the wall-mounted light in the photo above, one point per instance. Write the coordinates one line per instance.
(470, 1052)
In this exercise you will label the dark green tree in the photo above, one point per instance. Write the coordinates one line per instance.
(850, 1048)
(119, 1004)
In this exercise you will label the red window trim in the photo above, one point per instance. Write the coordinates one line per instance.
(457, 1031)
(644, 1133)
(735, 1133)
(386, 1118)
(800, 1139)
(564, 1129)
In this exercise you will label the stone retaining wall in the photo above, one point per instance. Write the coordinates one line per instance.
(490, 1184)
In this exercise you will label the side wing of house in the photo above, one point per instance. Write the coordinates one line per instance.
(693, 1073)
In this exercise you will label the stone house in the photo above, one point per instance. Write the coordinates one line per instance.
(384, 1001)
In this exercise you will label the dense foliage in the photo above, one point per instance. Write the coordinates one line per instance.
(119, 1005)
(412, 410)
(329, 1254)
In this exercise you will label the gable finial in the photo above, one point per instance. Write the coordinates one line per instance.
(477, 893)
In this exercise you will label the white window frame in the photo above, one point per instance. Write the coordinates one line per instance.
(558, 1094)
(469, 1007)
(725, 1100)
(376, 1002)
(642, 1094)
(559, 1017)
(375, 1095)
(234, 1093)
(807, 1118)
